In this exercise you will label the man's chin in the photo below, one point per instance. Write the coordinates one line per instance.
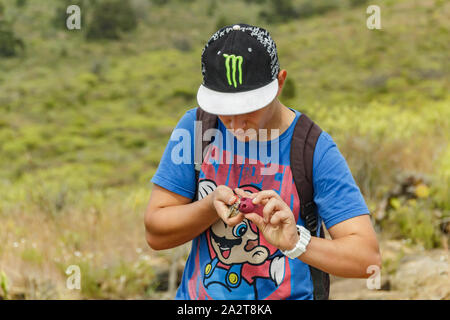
(245, 138)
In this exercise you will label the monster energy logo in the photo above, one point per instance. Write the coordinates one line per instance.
(231, 59)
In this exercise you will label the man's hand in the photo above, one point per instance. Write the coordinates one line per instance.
(277, 224)
(221, 199)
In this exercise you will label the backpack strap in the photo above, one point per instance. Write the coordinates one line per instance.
(304, 139)
(204, 122)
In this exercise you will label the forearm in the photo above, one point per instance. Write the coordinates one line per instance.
(347, 257)
(174, 225)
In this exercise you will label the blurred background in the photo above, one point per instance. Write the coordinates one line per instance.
(86, 114)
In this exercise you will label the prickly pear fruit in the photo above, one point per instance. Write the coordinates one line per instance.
(246, 205)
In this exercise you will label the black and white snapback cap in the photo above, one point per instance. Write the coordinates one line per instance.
(240, 71)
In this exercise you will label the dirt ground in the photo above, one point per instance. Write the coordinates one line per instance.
(409, 272)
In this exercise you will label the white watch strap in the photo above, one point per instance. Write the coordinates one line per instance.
(300, 246)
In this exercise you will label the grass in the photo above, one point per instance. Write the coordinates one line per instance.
(84, 123)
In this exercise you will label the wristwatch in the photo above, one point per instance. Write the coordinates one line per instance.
(301, 244)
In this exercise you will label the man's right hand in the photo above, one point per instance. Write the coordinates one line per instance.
(221, 199)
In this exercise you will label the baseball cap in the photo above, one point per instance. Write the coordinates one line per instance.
(240, 71)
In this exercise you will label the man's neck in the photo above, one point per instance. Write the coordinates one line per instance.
(281, 118)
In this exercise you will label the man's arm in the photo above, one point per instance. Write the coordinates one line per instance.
(171, 219)
(353, 248)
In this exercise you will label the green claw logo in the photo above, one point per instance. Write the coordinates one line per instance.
(231, 59)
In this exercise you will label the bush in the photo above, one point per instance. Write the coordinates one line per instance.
(10, 45)
(285, 10)
(21, 3)
(416, 220)
(160, 2)
(357, 3)
(222, 21)
(318, 7)
(289, 91)
(279, 11)
(255, 1)
(110, 19)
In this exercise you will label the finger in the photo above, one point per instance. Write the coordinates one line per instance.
(270, 208)
(233, 199)
(235, 220)
(265, 194)
(243, 193)
(282, 217)
(223, 212)
(256, 219)
(221, 209)
(225, 194)
(275, 219)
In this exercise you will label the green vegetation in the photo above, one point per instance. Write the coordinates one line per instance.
(85, 116)
(10, 44)
(4, 284)
(110, 19)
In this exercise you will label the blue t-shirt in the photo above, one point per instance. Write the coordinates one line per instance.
(237, 262)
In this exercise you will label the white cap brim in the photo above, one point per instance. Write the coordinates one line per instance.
(225, 103)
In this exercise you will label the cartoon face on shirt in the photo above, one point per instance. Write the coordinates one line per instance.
(237, 244)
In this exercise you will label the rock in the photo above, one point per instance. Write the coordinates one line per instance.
(424, 276)
(356, 289)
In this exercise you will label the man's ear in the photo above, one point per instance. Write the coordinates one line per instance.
(281, 80)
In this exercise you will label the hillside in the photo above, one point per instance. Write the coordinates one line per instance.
(84, 122)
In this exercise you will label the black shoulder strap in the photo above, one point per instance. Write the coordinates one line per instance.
(304, 139)
(204, 121)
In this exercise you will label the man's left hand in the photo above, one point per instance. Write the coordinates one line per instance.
(277, 224)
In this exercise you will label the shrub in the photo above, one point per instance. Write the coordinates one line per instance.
(318, 7)
(279, 11)
(21, 3)
(289, 91)
(10, 45)
(3, 285)
(222, 21)
(285, 10)
(110, 19)
(414, 219)
(357, 3)
(160, 2)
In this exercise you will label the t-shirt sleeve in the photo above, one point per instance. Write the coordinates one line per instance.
(176, 171)
(336, 193)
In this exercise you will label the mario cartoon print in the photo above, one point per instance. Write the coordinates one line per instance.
(241, 261)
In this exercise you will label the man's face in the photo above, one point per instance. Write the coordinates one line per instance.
(245, 126)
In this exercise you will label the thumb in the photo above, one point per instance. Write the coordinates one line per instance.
(233, 199)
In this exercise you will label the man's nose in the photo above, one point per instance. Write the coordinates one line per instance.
(238, 122)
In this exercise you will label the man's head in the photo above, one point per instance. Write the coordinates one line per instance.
(240, 71)
(245, 126)
(241, 79)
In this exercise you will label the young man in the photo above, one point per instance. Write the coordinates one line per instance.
(263, 255)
